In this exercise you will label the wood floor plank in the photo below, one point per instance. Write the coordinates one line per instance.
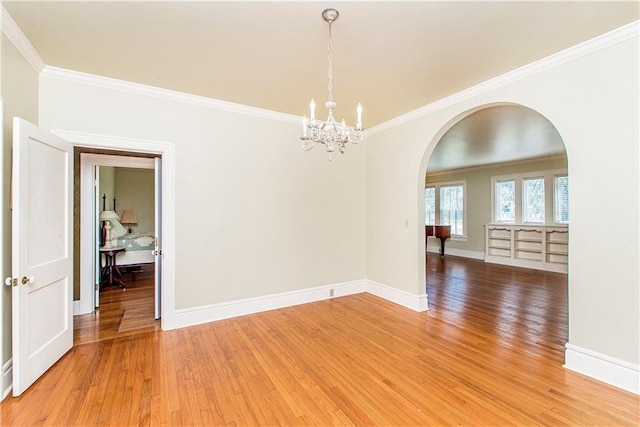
(488, 352)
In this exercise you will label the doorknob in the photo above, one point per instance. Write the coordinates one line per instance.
(26, 280)
(10, 281)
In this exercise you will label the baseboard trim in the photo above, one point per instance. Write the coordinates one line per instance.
(7, 378)
(536, 265)
(456, 252)
(603, 368)
(405, 299)
(211, 313)
(77, 308)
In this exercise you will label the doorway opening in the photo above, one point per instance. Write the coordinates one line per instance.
(498, 177)
(116, 187)
(164, 155)
(43, 176)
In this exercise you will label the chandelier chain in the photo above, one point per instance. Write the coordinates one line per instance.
(330, 66)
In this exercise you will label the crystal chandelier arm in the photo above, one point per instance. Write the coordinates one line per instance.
(307, 144)
(355, 136)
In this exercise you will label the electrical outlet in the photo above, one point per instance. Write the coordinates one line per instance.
(331, 292)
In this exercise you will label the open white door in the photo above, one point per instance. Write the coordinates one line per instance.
(97, 262)
(158, 233)
(42, 248)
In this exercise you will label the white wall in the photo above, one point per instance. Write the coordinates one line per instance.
(593, 102)
(107, 187)
(135, 190)
(255, 215)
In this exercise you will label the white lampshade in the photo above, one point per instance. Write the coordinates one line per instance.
(109, 215)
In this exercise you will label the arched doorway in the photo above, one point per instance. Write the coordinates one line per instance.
(498, 177)
(513, 147)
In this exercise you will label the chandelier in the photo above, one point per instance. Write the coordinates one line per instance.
(332, 134)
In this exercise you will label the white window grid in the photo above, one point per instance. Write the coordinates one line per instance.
(460, 230)
(551, 203)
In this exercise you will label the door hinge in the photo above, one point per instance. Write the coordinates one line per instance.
(95, 183)
(97, 286)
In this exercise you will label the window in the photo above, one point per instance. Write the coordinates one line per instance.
(531, 197)
(444, 204)
(533, 200)
(506, 201)
(452, 208)
(430, 206)
(561, 199)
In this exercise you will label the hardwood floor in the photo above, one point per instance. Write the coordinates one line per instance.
(122, 312)
(518, 305)
(489, 352)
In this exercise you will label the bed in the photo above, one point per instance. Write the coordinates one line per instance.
(139, 249)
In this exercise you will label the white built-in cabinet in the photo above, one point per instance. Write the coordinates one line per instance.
(539, 247)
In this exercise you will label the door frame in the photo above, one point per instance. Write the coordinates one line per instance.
(6, 362)
(167, 152)
(88, 223)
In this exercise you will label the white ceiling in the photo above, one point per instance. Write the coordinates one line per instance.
(392, 56)
(496, 135)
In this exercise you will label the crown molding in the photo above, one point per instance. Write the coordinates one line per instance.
(165, 94)
(24, 46)
(20, 41)
(550, 158)
(588, 47)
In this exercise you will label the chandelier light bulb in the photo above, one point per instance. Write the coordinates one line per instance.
(329, 132)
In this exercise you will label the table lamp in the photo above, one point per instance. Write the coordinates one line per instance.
(107, 216)
(129, 218)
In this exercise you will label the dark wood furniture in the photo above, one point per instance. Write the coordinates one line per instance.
(110, 274)
(134, 270)
(442, 232)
